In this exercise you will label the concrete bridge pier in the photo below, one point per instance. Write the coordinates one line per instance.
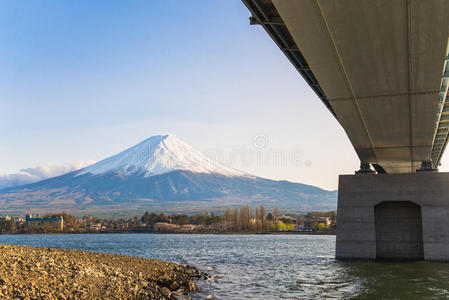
(393, 216)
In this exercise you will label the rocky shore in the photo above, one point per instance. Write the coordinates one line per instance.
(48, 273)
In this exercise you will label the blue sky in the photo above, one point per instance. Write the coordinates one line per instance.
(82, 80)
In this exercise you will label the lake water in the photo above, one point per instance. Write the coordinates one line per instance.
(267, 266)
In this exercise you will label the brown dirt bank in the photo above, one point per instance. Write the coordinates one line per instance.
(48, 273)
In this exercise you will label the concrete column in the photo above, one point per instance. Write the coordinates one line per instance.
(356, 236)
(359, 194)
(435, 232)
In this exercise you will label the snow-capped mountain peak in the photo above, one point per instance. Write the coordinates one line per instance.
(158, 155)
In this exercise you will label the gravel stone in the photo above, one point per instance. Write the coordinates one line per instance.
(48, 273)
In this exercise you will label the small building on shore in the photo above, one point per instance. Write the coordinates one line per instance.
(5, 218)
(309, 222)
(55, 222)
(188, 227)
(163, 226)
(96, 226)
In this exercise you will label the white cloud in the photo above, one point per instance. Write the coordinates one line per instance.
(30, 175)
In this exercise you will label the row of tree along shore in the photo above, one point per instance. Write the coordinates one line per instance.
(233, 220)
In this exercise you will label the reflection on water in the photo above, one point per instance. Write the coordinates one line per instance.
(268, 266)
(400, 280)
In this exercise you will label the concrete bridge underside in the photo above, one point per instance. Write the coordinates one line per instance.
(378, 65)
(381, 68)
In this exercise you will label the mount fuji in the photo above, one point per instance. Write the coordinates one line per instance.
(161, 173)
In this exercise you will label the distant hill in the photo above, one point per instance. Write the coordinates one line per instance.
(161, 173)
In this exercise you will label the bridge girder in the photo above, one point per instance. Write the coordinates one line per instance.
(380, 66)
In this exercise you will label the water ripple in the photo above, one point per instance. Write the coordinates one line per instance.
(267, 266)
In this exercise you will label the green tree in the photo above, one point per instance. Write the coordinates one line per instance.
(318, 226)
(180, 219)
(286, 220)
(7, 225)
(150, 218)
(281, 226)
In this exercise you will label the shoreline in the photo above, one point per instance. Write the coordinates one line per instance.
(51, 273)
(176, 232)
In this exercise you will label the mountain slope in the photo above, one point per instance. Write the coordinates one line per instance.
(161, 173)
(158, 155)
